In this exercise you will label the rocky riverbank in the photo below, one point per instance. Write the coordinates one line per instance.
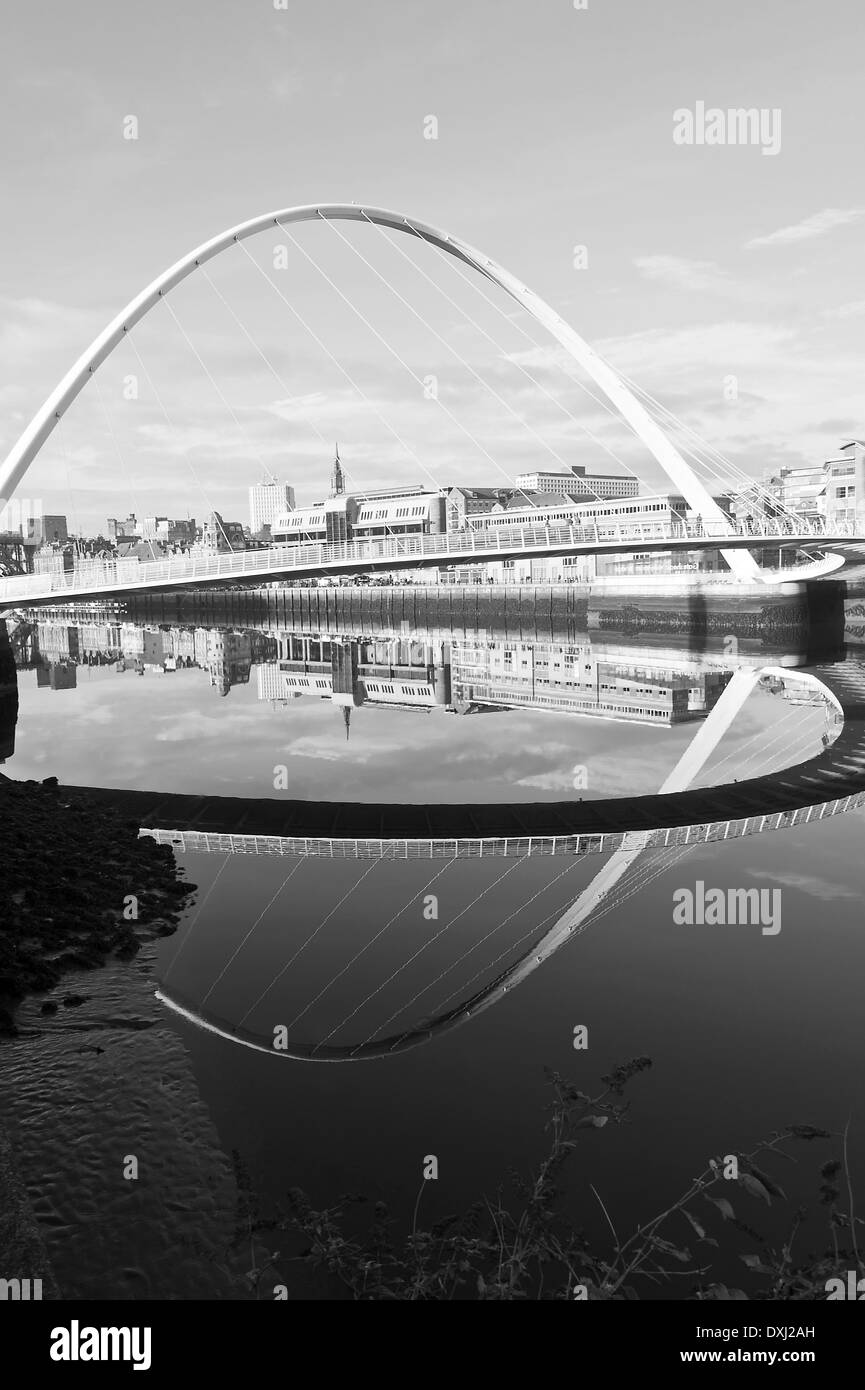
(91, 1075)
(78, 887)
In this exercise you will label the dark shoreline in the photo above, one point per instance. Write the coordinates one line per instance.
(77, 887)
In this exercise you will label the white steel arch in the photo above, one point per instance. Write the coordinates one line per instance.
(674, 465)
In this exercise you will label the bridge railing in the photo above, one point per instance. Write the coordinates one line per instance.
(480, 542)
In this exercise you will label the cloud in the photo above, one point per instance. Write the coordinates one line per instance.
(703, 277)
(816, 225)
(855, 309)
(550, 782)
(823, 888)
(322, 749)
(28, 324)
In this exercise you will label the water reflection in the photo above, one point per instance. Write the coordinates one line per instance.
(310, 955)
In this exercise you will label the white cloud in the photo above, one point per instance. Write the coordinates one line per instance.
(29, 324)
(854, 310)
(816, 225)
(824, 889)
(703, 277)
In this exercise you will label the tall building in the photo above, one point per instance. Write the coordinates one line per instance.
(267, 501)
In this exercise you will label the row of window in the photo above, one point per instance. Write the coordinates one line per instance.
(385, 688)
(578, 513)
(368, 514)
(305, 682)
(482, 691)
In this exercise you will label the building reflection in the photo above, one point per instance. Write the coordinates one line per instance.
(396, 674)
(473, 676)
(57, 648)
(642, 678)
(604, 676)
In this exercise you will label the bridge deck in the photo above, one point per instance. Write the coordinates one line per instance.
(106, 578)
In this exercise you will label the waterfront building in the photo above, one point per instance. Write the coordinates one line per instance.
(556, 510)
(346, 517)
(833, 491)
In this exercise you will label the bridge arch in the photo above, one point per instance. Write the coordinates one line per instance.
(675, 467)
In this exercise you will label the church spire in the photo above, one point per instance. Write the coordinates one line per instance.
(346, 717)
(337, 481)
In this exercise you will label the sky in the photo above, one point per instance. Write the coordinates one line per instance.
(725, 280)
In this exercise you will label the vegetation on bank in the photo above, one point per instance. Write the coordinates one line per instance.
(77, 886)
(527, 1246)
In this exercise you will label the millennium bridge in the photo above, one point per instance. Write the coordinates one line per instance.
(115, 578)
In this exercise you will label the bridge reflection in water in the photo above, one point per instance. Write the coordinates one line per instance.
(831, 782)
(642, 835)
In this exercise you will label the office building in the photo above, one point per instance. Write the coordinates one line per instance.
(579, 483)
(345, 517)
(267, 501)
